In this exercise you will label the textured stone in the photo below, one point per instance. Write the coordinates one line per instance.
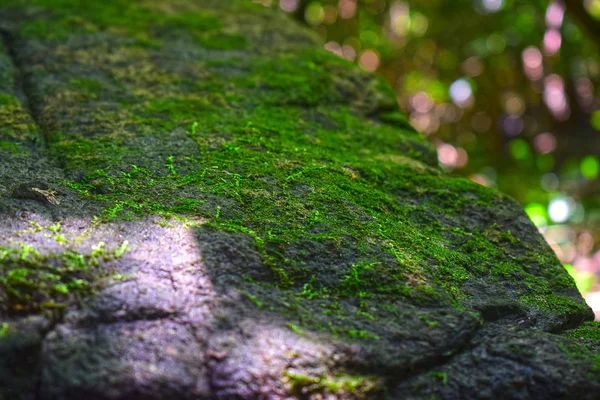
(225, 211)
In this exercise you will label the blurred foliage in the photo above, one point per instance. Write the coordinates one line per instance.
(506, 90)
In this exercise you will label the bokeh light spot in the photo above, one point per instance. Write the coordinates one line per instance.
(473, 66)
(347, 8)
(550, 182)
(419, 24)
(314, 13)
(496, 43)
(554, 15)
(532, 57)
(368, 38)
(555, 97)
(519, 149)
(424, 123)
(544, 143)
(590, 168)
(552, 41)
(585, 242)
(513, 125)
(348, 52)
(289, 5)
(585, 90)
(460, 91)
(533, 63)
(331, 14)
(400, 18)
(514, 104)
(559, 210)
(481, 179)
(369, 60)
(334, 48)
(462, 158)
(593, 7)
(447, 155)
(421, 102)
(595, 120)
(492, 5)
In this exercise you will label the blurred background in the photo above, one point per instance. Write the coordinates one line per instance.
(506, 90)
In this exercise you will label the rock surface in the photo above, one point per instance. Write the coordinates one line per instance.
(197, 203)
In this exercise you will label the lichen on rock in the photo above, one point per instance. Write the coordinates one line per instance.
(260, 184)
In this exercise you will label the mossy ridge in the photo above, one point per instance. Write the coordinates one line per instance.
(244, 182)
(145, 21)
(32, 280)
(287, 160)
(119, 13)
(588, 333)
(16, 125)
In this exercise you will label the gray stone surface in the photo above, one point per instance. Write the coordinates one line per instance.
(197, 203)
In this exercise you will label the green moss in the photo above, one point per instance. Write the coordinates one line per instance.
(12, 147)
(294, 328)
(8, 100)
(343, 385)
(173, 113)
(353, 281)
(296, 150)
(397, 119)
(55, 29)
(31, 281)
(76, 16)
(4, 329)
(555, 305)
(137, 20)
(222, 41)
(254, 299)
(86, 153)
(427, 321)
(323, 189)
(440, 376)
(86, 84)
(584, 357)
(360, 334)
(15, 123)
(588, 333)
(308, 289)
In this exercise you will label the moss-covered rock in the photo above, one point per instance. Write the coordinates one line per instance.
(198, 203)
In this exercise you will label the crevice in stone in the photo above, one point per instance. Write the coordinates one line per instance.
(429, 364)
(22, 84)
(395, 375)
(25, 93)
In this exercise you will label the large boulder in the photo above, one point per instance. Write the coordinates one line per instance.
(198, 203)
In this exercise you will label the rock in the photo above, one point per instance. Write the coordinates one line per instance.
(244, 216)
(38, 191)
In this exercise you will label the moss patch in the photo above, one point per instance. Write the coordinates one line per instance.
(31, 280)
(342, 385)
(588, 333)
(583, 356)
(142, 21)
(295, 150)
(15, 122)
